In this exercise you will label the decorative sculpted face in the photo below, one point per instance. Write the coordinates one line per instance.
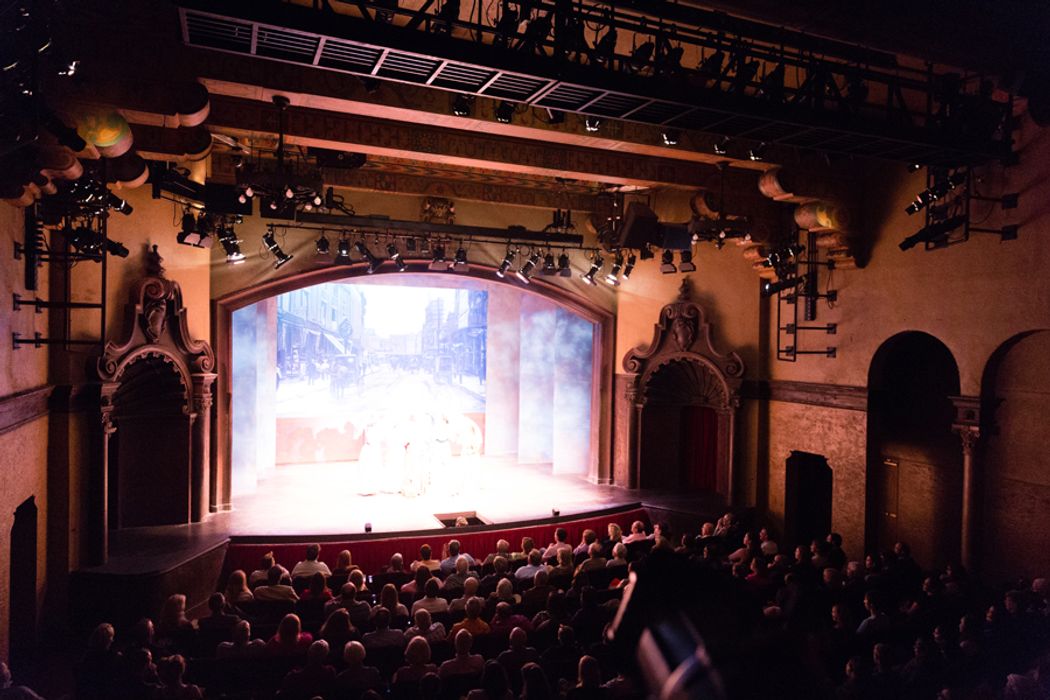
(683, 330)
(154, 319)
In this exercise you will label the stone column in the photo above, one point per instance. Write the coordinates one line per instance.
(967, 425)
(635, 403)
(200, 467)
(98, 463)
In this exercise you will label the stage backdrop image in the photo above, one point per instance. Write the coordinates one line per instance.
(409, 384)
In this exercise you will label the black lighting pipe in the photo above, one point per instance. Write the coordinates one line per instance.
(381, 225)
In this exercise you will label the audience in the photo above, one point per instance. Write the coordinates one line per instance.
(219, 621)
(432, 565)
(276, 588)
(311, 565)
(417, 662)
(430, 600)
(420, 577)
(172, 687)
(237, 591)
(589, 538)
(494, 684)
(317, 677)
(470, 590)
(317, 589)
(463, 663)
(472, 622)
(457, 578)
(594, 560)
(527, 545)
(10, 691)
(424, 626)
(382, 635)
(337, 630)
(388, 600)
(502, 550)
(637, 533)
(359, 610)
(535, 563)
(262, 574)
(241, 644)
(357, 677)
(560, 544)
(450, 563)
(517, 656)
(344, 564)
(535, 685)
(619, 555)
(289, 640)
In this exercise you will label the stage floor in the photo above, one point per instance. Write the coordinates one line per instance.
(323, 499)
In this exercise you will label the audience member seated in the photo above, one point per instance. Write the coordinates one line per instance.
(457, 578)
(382, 636)
(517, 655)
(237, 591)
(527, 572)
(588, 681)
(317, 677)
(425, 560)
(357, 677)
(388, 600)
(548, 621)
(615, 535)
(172, 687)
(311, 565)
(560, 659)
(535, 598)
(397, 564)
(430, 601)
(344, 564)
(10, 691)
(562, 568)
(95, 674)
(470, 590)
(419, 580)
(417, 662)
(560, 544)
(527, 545)
(261, 575)
(505, 619)
(594, 560)
(218, 622)
(500, 571)
(450, 563)
(424, 626)
(589, 621)
(289, 640)
(359, 610)
(494, 683)
(502, 550)
(357, 577)
(589, 538)
(766, 545)
(276, 589)
(619, 555)
(472, 622)
(747, 551)
(463, 663)
(241, 644)
(175, 632)
(318, 589)
(637, 533)
(708, 538)
(138, 680)
(877, 621)
(504, 593)
(535, 685)
(337, 630)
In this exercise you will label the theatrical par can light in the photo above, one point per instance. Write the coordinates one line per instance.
(563, 266)
(667, 265)
(231, 245)
(505, 112)
(460, 264)
(439, 263)
(342, 252)
(281, 257)
(196, 232)
(771, 287)
(525, 273)
(613, 276)
(549, 268)
(373, 261)
(686, 264)
(323, 246)
(394, 254)
(596, 267)
(504, 266)
(632, 259)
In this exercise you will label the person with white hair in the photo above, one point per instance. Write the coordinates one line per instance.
(461, 574)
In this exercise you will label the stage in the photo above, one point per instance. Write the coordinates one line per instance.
(325, 499)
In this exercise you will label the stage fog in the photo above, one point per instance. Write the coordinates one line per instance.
(410, 385)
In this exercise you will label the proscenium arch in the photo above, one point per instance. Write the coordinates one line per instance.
(222, 319)
(705, 372)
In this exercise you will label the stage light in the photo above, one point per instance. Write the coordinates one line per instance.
(606, 47)
(592, 124)
(549, 267)
(449, 12)
(270, 241)
(646, 253)
(711, 67)
(238, 162)
(686, 264)
(249, 192)
(933, 232)
(231, 244)
(242, 198)
(613, 276)
(273, 205)
(914, 167)
(937, 191)
(504, 266)
(629, 268)
(563, 266)
(744, 76)
(373, 261)
(462, 106)
(89, 242)
(596, 267)
(671, 137)
(505, 112)
(771, 87)
(289, 193)
(525, 273)
(342, 254)
(318, 200)
(368, 527)
(780, 257)
(640, 57)
(322, 245)
(117, 204)
(758, 152)
(721, 147)
(769, 287)
(439, 263)
(394, 254)
(459, 263)
(197, 231)
(667, 263)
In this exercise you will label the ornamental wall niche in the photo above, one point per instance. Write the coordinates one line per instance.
(154, 408)
(681, 368)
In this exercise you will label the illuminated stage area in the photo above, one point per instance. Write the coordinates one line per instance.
(500, 491)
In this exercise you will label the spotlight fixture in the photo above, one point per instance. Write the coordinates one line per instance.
(439, 263)
(548, 265)
(933, 232)
(758, 152)
(721, 146)
(613, 276)
(281, 257)
(342, 254)
(937, 191)
(196, 232)
(592, 124)
(780, 257)
(394, 254)
(373, 261)
(667, 265)
(459, 263)
(641, 55)
(771, 287)
(231, 244)
(322, 245)
(596, 267)
(89, 243)
(771, 87)
(117, 204)
(563, 266)
(686, 264)
(462, 106)
(605, 48)
(671, 137)
(629, 268)
(914, 167)
(505, 112)
(504, 266)
(711, 67)
(526, 271)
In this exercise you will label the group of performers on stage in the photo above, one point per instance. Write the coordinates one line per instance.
(403, 454)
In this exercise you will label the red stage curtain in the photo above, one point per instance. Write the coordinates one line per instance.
(699, 454)
(373, 554)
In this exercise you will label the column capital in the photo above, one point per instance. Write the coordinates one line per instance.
(969, 434)
(967, 412)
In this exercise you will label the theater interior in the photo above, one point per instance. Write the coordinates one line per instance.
(761, 284)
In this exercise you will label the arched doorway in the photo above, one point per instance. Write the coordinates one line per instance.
(914, 479)
(683, 396)
(1014, 468)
